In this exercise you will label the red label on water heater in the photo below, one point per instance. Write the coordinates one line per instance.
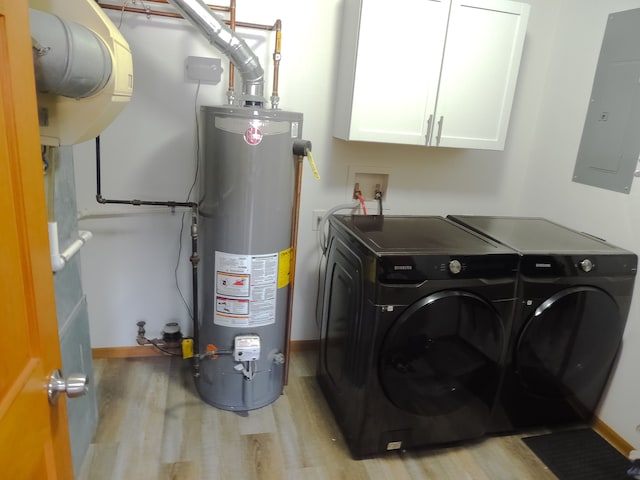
(253, 135)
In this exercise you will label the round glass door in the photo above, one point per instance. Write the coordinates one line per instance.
(567, 347)
(443, 354)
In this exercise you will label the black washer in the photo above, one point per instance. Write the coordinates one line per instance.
(574, 295)
(414, 330)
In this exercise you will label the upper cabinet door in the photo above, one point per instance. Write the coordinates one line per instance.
(429, 72)
(479, 73)
(389, 68)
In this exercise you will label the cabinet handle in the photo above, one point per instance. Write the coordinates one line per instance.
(429, 126)
(440, 122)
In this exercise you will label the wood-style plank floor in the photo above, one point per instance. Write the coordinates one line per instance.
(154, 426)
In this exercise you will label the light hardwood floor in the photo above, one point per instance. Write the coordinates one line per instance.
(154, 426)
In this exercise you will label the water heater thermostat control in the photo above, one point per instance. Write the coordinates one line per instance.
(246, 348)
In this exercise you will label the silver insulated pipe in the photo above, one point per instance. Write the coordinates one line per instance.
(68, 58)
(223, 38)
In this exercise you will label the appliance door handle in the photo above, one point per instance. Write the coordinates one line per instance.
(429, 128)
(439, 134)
(402, 285)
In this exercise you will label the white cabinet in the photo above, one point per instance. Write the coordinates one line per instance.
(429, 72)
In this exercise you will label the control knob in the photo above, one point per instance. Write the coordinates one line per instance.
(455, 266)
(586, 265)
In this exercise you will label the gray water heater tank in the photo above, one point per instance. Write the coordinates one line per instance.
(245, 217)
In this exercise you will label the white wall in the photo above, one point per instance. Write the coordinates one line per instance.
(149, 153)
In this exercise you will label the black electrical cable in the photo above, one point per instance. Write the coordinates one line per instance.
(193, 184)
(152, 342)
(197, 168)
(195, 258)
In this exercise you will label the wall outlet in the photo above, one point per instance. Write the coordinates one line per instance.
(316, 216)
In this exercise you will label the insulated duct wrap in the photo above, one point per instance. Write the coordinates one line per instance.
(68, 59)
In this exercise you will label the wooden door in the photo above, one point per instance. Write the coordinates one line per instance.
(34, 437)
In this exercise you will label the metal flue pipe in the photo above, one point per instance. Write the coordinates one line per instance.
(229, 44)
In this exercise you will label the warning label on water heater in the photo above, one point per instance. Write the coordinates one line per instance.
(245, 289)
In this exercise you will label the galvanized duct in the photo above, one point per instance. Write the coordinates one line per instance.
(223, 38)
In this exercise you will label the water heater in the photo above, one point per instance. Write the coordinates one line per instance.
(246, 213)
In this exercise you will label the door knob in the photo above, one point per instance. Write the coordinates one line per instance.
(75, 385)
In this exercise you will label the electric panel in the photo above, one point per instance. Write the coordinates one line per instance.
(610, 144)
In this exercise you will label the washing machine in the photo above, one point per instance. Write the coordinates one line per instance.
(574, 294)
(414, 330)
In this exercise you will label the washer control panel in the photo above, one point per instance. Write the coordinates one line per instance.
(586, 265)
(455, 266)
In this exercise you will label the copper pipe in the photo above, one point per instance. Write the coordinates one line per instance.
(212, 7)
(292, 268)
(257, 26)
(159, 13)
(275, 99)
(106, 6)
